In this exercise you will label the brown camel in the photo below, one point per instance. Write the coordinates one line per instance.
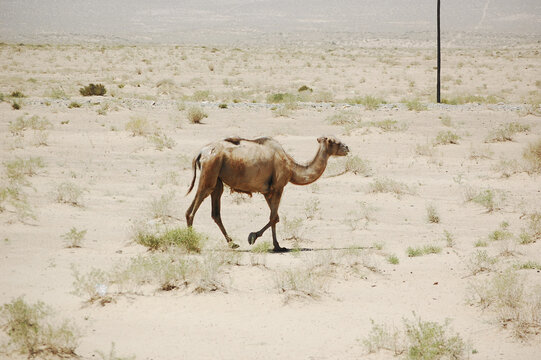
(248, 166)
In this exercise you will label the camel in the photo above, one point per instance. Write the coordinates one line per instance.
(254, 166)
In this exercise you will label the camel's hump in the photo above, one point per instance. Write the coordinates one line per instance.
(236, 140)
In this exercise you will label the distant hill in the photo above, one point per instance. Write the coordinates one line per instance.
(186, 21)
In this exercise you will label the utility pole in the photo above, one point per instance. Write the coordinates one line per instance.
(438, 95)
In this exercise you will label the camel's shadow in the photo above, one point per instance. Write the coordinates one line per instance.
(294, 250)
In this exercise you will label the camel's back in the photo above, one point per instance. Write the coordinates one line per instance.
(248, 165)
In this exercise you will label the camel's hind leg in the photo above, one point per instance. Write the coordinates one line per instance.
(208, 178)
(216, 197)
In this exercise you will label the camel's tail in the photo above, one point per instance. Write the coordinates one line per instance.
(195, 164)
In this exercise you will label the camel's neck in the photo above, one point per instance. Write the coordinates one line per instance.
(306, 174)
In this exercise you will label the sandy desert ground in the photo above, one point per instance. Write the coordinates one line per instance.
(433, 216)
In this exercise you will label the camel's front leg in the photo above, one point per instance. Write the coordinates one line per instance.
(273, 200)
(216, 197)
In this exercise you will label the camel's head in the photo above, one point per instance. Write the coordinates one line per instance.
(334, 146)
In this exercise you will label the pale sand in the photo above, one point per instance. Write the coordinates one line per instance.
(121, 174)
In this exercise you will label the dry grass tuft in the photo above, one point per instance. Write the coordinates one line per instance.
(195, 114)
(516, 305)
(383, 185)
(32, 332)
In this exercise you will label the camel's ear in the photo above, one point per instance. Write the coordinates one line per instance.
(321, 139)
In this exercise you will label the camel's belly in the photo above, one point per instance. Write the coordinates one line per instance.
(245, 178)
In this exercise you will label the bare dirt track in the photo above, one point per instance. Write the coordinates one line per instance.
(340, 228)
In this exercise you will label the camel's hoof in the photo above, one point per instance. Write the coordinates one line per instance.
(280, 249)
(232, 245)
(252, 238)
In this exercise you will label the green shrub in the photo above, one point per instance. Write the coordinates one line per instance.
(17, 94)
(69, 193)
(424, 250)
(429, 340)
(415, 105)
(93, 90)
(262, 247)
(17, 170)
(305, 88)
(281, 98)
(74, 104)
(487, 198)
(74, 238)
(501, 234)
(420, 340)
(446, 137)
(184, 238)
(369, 102)
(196, 114)
(15, 105)
(31, 332)
(393, 259)
(432, 215)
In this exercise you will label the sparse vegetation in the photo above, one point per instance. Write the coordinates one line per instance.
(387, 125)
(532, 156)
(446, 137)
(161, 141)
(111, 355)
(74, 238)
(517, 306)
(432, 215)
(186, 239)
(449, 238)
(17, 170)
(415, 105)
(481, 261)
(138, 126)
(262, 247)
(291, 229)
(93, 90)
(69, 193)
(384, 185)
(281, 98)
(446, 120)
(393, 259)
(369, 102)
(423, 250)
(311, 208)
(163, 271)
(501, 234)
(487, 198)
(23, 123)
(506, 132)
(307, 281)
(352, 164)
(532, 232)
(195, 114)
(419, 340)
(32, 332)
(468, 99)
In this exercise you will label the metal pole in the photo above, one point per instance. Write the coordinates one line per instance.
(438, 95)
